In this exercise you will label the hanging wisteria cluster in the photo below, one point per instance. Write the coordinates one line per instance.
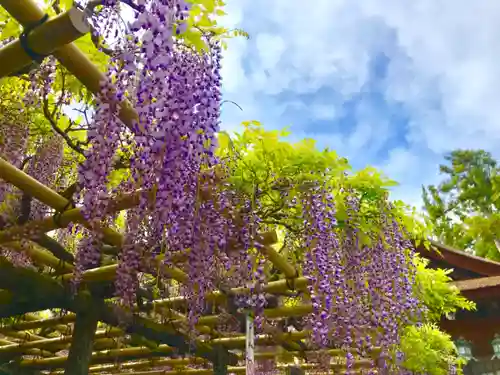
(13, 143)
(176, 93)
(43, 166)
(361, 292)
(16, 207)
(362, 295)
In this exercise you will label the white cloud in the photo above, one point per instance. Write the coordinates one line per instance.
(271, 48)
(323, 111)
(443, 70)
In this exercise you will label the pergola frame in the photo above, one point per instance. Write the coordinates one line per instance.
(39, 345)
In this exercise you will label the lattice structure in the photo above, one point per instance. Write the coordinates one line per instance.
(88, 335)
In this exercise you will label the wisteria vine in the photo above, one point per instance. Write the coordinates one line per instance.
(361, 294)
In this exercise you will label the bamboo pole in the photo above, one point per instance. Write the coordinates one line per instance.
(107, 273)
(44, 39)
(36, 352)
(182, 319)
(279, 262)
(19, 280)
(239, 341)
(32, 321)
(155, 362)
(151, 363)
(278, 312)
(23, 335)
(42, 342)
(29, 185)
(40, 257)
(77, 63)
(28, 338)
(67, 330)
(242, 369)
(279, 286)
(57, 362)
(39, 323)
(99, 356)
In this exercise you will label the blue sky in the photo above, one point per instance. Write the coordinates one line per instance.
(389, 83)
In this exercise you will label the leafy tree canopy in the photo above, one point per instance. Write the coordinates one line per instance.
(464, 207)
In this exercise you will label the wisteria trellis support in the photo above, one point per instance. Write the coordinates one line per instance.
(43, 40)
(250, 343)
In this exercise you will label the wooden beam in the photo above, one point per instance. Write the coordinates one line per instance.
(99, 357)
(29, 283)
(39, 323)
(481, 288)
(80, 352)
(220, 360)
(461, 259)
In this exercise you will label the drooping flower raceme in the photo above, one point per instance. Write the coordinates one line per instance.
(13, 143)
(361, 294)
(43, 167)
(176, 93)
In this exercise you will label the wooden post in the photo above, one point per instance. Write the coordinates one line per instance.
(80, 352)
(250, 345)
(221, 360)
(296, 370)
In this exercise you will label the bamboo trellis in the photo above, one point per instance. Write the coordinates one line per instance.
(72, 342)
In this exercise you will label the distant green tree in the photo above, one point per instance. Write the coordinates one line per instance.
(465, 207)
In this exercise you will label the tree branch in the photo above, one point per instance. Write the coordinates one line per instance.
(55, 248)
(25, 209)
(58, 130)
(56, 6)
(91, 5)
(94, 37)
(276, 222)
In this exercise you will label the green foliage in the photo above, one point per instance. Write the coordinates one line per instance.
(8, 26)
(464, 207)
(429, 350)
(203, 22)
(264, 165)
(434, 289)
